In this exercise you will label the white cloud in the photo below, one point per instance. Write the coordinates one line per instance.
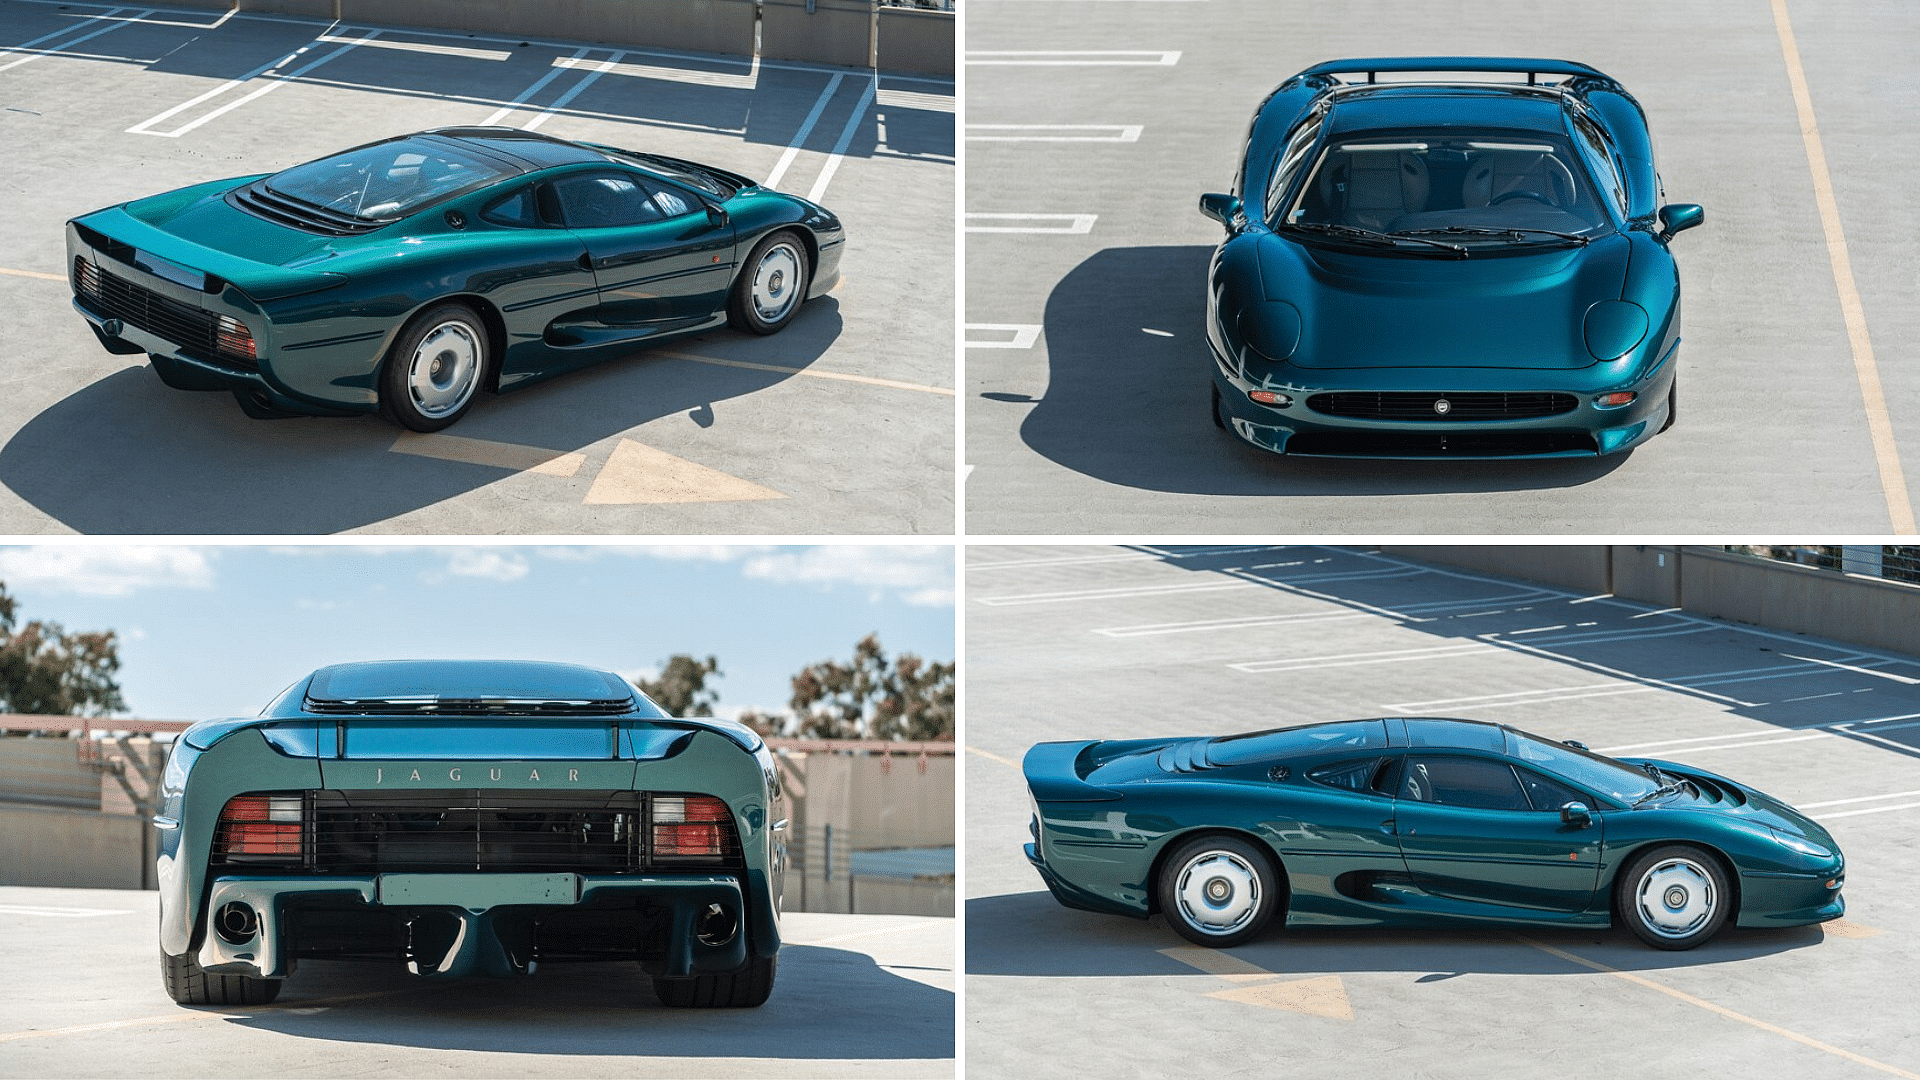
(105, 571)
(699, 552)
(919, 575)
(485, 563)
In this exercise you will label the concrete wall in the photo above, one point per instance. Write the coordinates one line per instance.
(916, 40)
(47, 772)
(724, 26)
(872, 802)
(834, 32)
(1584, 568)
(1649, 573)
(74, 849)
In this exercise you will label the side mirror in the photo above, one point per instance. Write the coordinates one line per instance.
(1677, 217)
(1220, 207)
(1576, 814)
(717, 215)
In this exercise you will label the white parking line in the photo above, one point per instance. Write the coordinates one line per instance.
(1024, 335)
(1009, 564)
(1856, 799)
(1064, 224)
(1242, 623)
(1110, 594)
(526, 95)
(60, 912)
(839, 152)
(35, 54)
(1872, 810)
(1386, 656)
(561, 102)
(1109, 133)
(1074, 57)
(800, 137)
(748, 81)
(913, 99)
(144, 127)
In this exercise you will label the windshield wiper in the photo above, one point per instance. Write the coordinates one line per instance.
(1515, 233)
(1355, 232)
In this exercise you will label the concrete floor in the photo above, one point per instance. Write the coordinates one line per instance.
(1075, 642)
(857, 995)
(842, 423)
(1099, 424)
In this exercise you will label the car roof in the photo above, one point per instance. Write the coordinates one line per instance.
(529, 149)
(1425, 106)
(521, 680)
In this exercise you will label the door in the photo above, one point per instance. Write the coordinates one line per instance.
(1478, 829)
(661, 259)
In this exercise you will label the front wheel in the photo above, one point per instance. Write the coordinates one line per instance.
(772, 285)
(1674, 897)
(190, 984)
(1218, 891)
(744, 989)
(437, 363)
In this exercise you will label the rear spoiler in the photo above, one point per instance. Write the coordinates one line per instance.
(1531, 68)
(1053, 773)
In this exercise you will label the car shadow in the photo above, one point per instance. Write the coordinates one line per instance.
(826, 1004)
(126, 454)
(1127, 399)
(1002, 930)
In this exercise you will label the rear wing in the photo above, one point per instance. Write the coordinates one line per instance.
(1508, 65)
(1053, 774)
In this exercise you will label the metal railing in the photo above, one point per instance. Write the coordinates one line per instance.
(846, 870)
(1889, 562)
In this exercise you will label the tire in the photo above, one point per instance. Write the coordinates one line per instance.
(189, 984)
(772, 285)
(1673, 402)
(1218, 891)
(744, 989)
(1218, 420)
(435, 368)
(1674, 897)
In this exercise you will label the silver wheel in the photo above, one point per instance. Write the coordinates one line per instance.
(1218, 893)
(1676, 897)
(777, 281)
(444, 369)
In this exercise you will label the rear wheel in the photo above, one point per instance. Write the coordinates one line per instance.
(1218, 891)
(190, 984)
(772, 285)
(437, 362)
(744, 989)
(1674, 897)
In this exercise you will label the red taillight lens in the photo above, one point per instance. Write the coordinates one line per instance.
(232, 337)
(260, 825)
(691, 825)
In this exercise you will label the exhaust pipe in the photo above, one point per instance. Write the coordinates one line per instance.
(716, 926)
(236, 923)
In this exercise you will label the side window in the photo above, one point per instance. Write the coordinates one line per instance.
(1291, 159)
(1547, 794)
(1594, 147)
(671, 203)
(518, 209)
(1470, 783)
(603, 200)
(1354, 775)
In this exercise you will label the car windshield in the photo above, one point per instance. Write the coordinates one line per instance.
(1615, 779)
(387, 180)
(1486, 188)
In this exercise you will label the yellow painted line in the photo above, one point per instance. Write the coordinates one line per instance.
(993, 757)
(1843, 929)
(1893, 481)
(810, 372)
(1323, 996)
(199, 1013)
(1721, 1010)
(32, 274)
(500, 455)
(638, 473)
(1215, 962)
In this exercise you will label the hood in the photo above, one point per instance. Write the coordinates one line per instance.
(1721, 795)
(1517, 308)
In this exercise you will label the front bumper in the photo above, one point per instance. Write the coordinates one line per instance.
(466, 924)
(1586, 431)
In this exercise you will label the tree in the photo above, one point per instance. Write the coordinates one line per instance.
(682, 688)
(47, 671)
(871, 698)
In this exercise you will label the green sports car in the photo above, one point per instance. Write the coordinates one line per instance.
(1417, 822)
(469, 818)
(407, 274)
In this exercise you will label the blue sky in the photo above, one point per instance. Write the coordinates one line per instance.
(218, 630)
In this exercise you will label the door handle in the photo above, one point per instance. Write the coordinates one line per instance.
(1387, 827)
(586, 261)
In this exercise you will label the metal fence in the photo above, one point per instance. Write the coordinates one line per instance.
(923, 5)
(1889, 562)
(845, 870)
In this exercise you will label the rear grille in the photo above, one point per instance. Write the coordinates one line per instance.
(1440, 444)
(183, 324)
(478, 829)
(1474, 405)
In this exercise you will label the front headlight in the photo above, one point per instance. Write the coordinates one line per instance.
(1613, 328)
(1271, 327)
(1800, 844)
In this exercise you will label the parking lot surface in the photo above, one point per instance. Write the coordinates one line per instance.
(1092, 128)
(1103, 643)
(857, 995)
(843, 423)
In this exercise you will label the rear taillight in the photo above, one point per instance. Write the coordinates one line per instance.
(86, 277)
(267, 826)
(691, 825)
(232, 337)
